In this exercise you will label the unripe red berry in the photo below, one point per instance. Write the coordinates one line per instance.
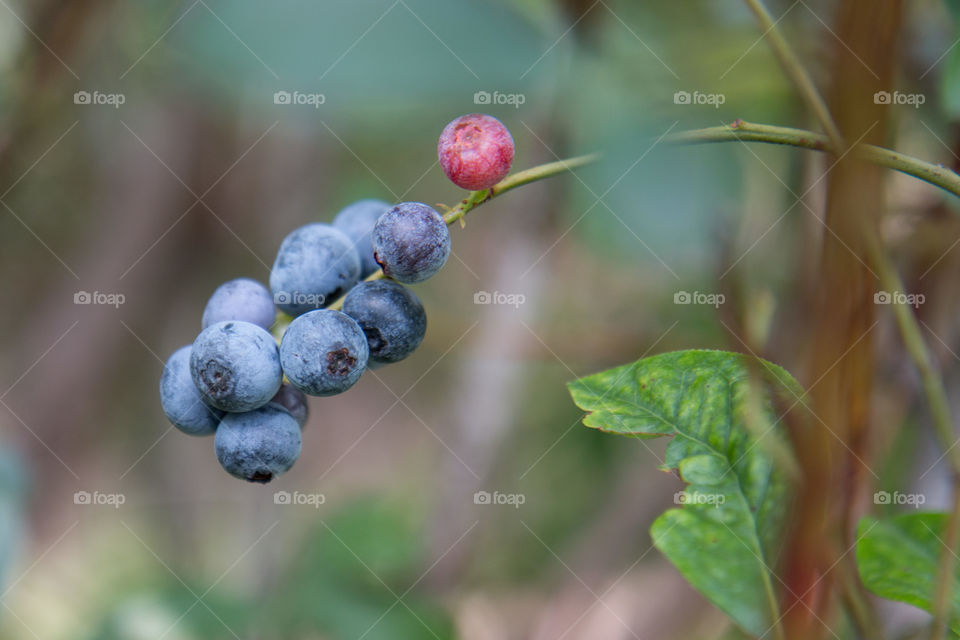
(476, 151)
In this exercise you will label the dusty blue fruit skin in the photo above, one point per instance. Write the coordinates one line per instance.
(411, 242)
(315, 265)
(357, 221)
(324, 352)
(391, 317)
(294, 401)
(258, 445)
(236, 366)
(241, 299)
(180, 399)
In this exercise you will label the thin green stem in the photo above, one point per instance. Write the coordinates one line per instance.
(797, 72)
(477, 198)
(933, 388)
(936, 175)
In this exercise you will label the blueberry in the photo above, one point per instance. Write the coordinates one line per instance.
(180, 399)
(258, 445)
(391, 317)
(315, 265)
(236, 366)
(411, 242)
(475, 151)
(324, 352)
(293, 400)
(241, 299)
(356, 221)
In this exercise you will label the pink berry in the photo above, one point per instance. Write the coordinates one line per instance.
(476, 151)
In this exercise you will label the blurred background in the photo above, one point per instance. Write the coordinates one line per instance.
(146, 156)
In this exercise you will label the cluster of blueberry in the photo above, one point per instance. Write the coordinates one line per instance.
(236, 382)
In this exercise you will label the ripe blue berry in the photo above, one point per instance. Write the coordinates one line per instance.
(293, 400)
(258, 445)
(411, 242)
(241, 299)
(235, 366)
(180, 399)
(475, 151)
(356, 221)
(315, 265)
(391, 317)
(324, 352)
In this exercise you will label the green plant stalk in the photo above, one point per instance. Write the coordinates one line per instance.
(934, 174)
(797, 72)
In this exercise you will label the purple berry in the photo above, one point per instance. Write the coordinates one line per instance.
(411, 242)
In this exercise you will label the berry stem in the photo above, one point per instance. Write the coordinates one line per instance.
(476, 198)
(473, 200)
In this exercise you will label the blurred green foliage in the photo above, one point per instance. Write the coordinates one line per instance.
(342, 581)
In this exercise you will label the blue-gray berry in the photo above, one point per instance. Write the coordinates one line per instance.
(235, 366)
(357, 221)
(258, 445)
(241, 299)
(411, 242)
(294, 401)
(315, 265)
(323, 352)
(391, 317)
(180, 399)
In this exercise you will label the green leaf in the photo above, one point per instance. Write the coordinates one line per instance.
(899, 559)
(723, 537)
